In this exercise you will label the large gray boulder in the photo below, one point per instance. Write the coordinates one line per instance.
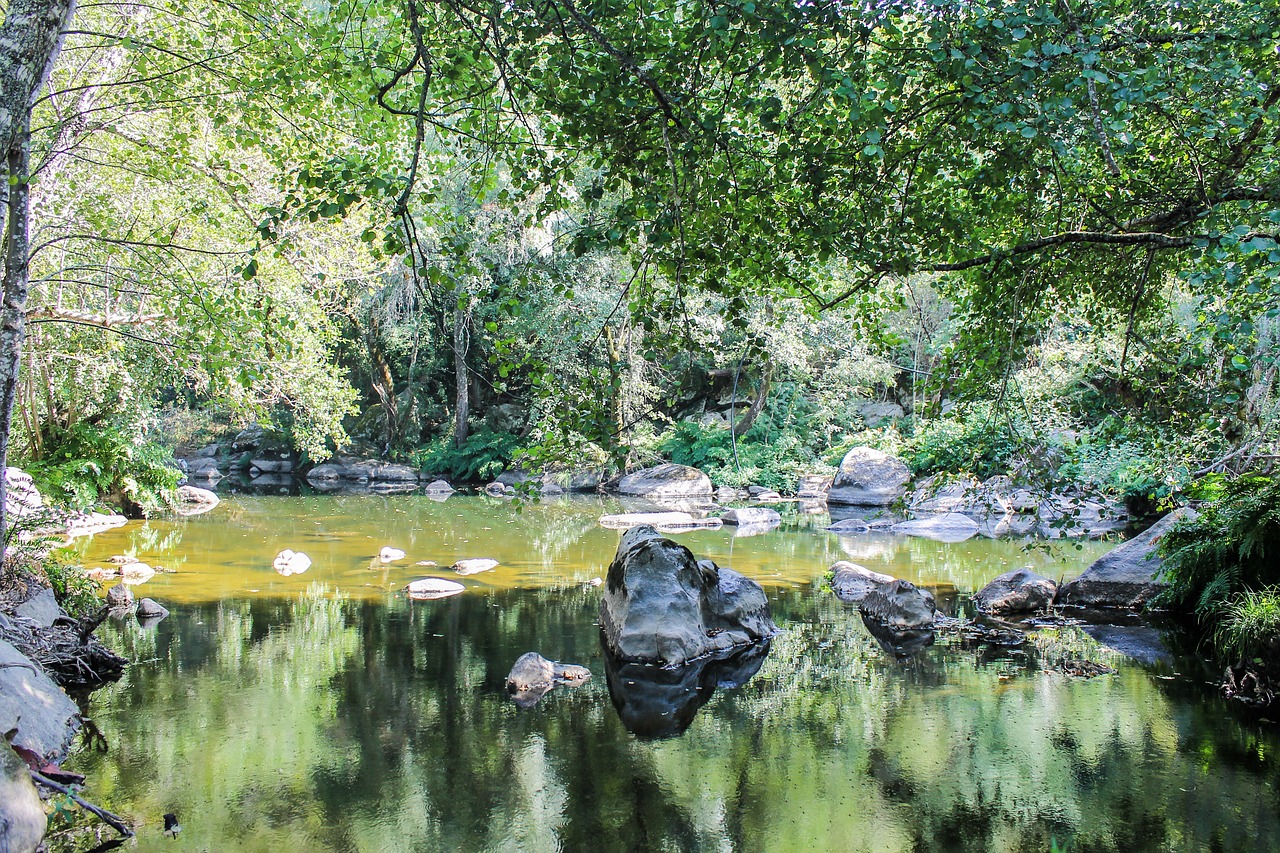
(46, 719)
(1018, 591)
(1126, 576)
(22, 820)
(41, 608)
(852, 583)
(899, 606)
(948, 527)
(868, 477)
(661, 605)
(666, 481)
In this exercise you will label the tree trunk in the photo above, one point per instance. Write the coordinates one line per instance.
(13, 313)
(383, 381)
(757, 405)
(462, 408)
(29, 41)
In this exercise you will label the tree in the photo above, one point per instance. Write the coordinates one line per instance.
(29, 40)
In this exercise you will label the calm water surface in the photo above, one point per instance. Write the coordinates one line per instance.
(326, 712)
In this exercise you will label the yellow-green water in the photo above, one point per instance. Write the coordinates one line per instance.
(327, 712)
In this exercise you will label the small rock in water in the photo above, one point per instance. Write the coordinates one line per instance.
(533, 676)
(120, 597)
(137, 573)
(426, 589)
(121, 560)
(425, 563)
(149, 608)
(291, 562)
(474, 566)
(98, 573)
(390, 555)
(595, 582)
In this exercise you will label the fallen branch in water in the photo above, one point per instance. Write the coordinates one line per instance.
(114, 821)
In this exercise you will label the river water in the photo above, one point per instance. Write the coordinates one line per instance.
(325, 711)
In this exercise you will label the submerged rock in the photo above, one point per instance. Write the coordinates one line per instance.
(949, 527)
(1018, 591)
(849, 526)
(868, 477)
(661, 605)
(426, 589)
(533, 676)
(136, 573)
(851, 582)
(1126, 576)
(474, 566)
(666, 481)
(667, 522)
(901, 644)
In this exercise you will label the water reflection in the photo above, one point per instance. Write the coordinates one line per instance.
(326, 722)
(661, 702)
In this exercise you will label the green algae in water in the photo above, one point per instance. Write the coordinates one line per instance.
(330, 715)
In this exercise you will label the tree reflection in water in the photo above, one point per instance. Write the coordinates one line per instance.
(324, 723)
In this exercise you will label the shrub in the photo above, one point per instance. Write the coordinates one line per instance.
(1224, 564)
(88, 463)
(1250, 626)
(775, 464)
(483, 456)
(983, 444)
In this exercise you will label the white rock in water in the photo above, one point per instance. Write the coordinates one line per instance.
(474, 566)
(136, 573)
(390, 555)
(429, 588)
(291, 562)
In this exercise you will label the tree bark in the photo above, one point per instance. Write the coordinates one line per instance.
(462, 408)
(13, 311)
(757, 405)
(29, 41)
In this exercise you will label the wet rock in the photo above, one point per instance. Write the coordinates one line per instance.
(362, 471)
(661, 702)
(533, 676)
(193, 500)
(665, 521)
(728, 494)
(813, 486)
(1126, 576)
(949, 527)
(666, 481)
(390, 555)
(661, 605)
(204, 469)
(120, 597)
(22, 819)
(551, 490)
(869, 477)
(136, 573)
(758, 515)
(899, 606)
(259, 466)
(91, 523)
(46, 719)
(150, 610)
(426, 589)
(850, 526)
(852, 583)
(498, 490)
(289, 562)
(1018, 591)
(474, 566)
(439, 486)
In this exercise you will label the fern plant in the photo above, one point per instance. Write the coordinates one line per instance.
(1222, 568)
